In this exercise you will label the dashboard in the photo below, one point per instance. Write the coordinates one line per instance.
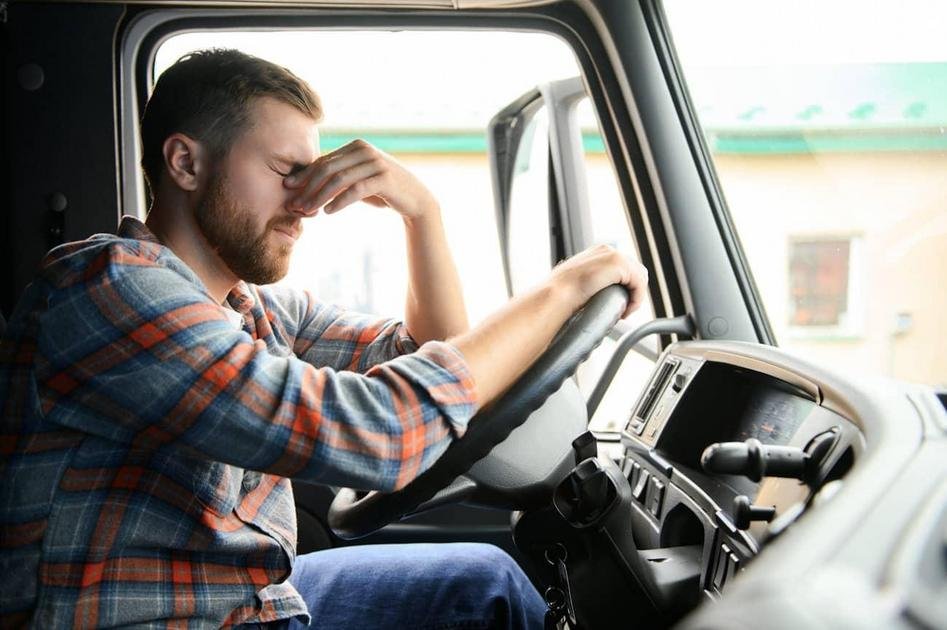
(689, 448)
(747, 484)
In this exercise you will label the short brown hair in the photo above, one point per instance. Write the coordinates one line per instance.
(208, 95)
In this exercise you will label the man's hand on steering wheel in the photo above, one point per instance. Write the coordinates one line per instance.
(599, 266)
(500, 349)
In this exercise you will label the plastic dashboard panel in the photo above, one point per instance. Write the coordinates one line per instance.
(706, 392)
(868, 550)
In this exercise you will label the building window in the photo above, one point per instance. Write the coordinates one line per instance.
(820, 283)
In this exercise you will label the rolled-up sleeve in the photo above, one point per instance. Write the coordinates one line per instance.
(150, 360)
(327, 335)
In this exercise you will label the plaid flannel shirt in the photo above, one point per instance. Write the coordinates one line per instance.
(147, 440)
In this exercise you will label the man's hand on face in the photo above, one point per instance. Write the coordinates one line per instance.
(358, 172)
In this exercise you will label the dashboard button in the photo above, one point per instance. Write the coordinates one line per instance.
(721, 567)
(641, 486)
(656, 497)
(733, 564)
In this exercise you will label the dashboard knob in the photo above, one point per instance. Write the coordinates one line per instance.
(745, 513)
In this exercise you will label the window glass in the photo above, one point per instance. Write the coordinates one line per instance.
(430, 111)
(829, 139)
(609, 220)
(530, 244)
(610, 226)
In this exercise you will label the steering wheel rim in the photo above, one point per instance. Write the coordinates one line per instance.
(353, 516)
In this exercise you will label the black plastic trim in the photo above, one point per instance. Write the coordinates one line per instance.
(712, 293)
(670, 64)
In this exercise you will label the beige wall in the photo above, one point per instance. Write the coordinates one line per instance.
(896, 205)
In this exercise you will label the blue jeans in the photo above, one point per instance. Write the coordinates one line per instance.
(429, 586)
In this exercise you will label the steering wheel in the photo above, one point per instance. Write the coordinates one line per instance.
(353, 514)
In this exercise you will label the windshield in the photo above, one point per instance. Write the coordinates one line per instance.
(828, 135)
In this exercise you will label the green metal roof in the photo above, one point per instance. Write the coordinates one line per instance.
(815, 109)
(864, 97)
(761, 110)
(428, 142)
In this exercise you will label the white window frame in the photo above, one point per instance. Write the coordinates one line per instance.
(852, 322)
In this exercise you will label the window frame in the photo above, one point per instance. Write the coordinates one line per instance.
(710, 196)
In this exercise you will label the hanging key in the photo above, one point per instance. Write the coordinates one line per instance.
(555, 618)
(556, 556)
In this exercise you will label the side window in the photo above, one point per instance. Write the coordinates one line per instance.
(530, 244)
(609, 221)
(582, 195)
(610, 225)
(433, 119)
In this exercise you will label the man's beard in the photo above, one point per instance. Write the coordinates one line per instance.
(229, 228)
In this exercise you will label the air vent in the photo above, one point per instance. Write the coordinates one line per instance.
(654, 390)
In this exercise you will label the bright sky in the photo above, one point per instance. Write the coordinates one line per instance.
(800, 32)
(372, 79)
(458, 80)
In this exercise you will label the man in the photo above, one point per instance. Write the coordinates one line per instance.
(157, 395)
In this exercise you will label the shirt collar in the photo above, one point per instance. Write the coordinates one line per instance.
(130, 227)
(240, 297)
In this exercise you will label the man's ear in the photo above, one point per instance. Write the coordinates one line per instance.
(185, 160)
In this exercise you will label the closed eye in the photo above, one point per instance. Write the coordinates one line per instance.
(292, 171)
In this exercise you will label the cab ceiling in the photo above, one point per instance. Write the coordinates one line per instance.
(352, 4)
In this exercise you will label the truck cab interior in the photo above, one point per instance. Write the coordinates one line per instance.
(690, 468)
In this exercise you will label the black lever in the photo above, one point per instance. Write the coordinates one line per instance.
(756, 460)
(584, 446)
(586, 494)
(745, 513)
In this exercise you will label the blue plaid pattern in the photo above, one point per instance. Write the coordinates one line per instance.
(147, 441)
